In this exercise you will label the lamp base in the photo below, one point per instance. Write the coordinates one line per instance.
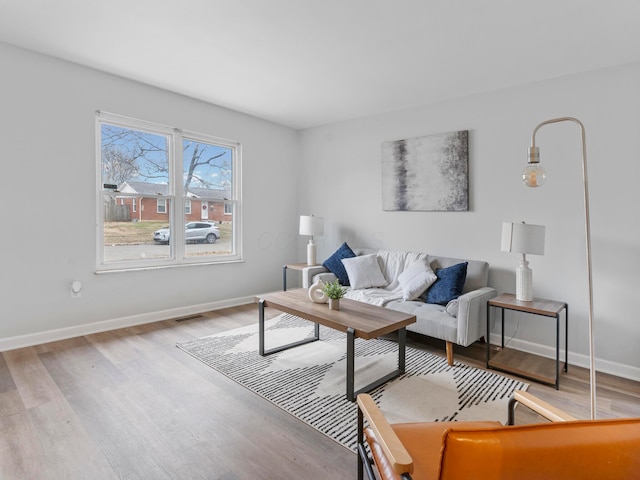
(524, 282)
(311, 253)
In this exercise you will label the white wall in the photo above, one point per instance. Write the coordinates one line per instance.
(340, 180)
(48, 201)
(47, 148)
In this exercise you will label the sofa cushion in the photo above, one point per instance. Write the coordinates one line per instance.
(477, 270)
(449, 284)
(452, 308)
(334, 263)
(416, 279)
(393, 263)
(364, 272)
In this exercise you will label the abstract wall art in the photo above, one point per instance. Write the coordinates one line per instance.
(427, 173)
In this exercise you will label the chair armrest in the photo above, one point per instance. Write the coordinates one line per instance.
(309, 272)
(472, 315)
(541, 407)
(391, 445)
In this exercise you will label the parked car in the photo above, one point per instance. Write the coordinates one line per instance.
(194, 232)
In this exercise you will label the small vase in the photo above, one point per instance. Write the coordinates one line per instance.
(316, 294)
(334, 304)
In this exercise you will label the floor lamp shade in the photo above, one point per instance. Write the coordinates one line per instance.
(523, 238)
(310, 225)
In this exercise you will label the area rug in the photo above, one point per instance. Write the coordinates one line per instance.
(308, 381)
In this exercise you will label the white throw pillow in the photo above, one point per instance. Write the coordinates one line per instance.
(416, 279)
(364, 272)
(452, 308)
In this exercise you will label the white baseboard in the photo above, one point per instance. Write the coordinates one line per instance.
(39, 338)
(577, 359)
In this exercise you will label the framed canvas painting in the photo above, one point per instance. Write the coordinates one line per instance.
(427, 173)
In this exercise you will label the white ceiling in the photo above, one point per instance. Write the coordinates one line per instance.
(304, 63)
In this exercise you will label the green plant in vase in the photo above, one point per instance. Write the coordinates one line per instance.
(334, 291)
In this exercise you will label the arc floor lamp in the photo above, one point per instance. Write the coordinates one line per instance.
(534, 176)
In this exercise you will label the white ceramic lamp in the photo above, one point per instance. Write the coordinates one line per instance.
(523, 238)
(310, 225)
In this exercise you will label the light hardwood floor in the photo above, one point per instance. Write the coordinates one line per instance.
(129, 404)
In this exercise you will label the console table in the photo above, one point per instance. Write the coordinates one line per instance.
(520, 363)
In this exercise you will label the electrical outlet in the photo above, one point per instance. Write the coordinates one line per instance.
(76, 289)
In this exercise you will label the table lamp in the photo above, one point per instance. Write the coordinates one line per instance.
(526, 239)
(310, 225)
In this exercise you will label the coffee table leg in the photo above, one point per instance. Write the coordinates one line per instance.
(261, 349)
(351, 393)
(261, 327)
(402, 347)
(351, 353)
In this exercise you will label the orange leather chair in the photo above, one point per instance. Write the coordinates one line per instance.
(566, 448)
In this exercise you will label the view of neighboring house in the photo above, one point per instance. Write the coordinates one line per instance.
(150, 202)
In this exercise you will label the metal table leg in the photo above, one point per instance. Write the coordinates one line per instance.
(402, 346)
(566, 338)
(262, 351)
(558, 351)
(284, 278)
(488, 333)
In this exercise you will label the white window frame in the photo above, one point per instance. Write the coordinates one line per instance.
(161, 205)
(176, 198)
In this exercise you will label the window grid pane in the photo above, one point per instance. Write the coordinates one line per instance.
(135, 178)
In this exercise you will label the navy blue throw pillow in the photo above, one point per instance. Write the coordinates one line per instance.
(449, 284)
(334, 263)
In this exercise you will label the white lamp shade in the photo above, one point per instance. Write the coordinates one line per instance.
(523, 238)
(310, 225)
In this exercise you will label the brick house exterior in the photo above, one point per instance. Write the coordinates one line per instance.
(152, 203)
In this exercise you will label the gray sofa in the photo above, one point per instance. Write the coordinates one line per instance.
(461, 321)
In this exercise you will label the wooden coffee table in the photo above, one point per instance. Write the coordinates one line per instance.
(357, 319)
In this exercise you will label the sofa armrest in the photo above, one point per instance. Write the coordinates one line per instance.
(472, 315)
(309, 272)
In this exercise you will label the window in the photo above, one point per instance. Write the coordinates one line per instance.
(188, 188)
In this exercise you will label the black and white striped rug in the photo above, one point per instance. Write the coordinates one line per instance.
(308, 381)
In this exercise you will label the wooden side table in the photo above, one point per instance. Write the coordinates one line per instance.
(521, 363)
(292, 266)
